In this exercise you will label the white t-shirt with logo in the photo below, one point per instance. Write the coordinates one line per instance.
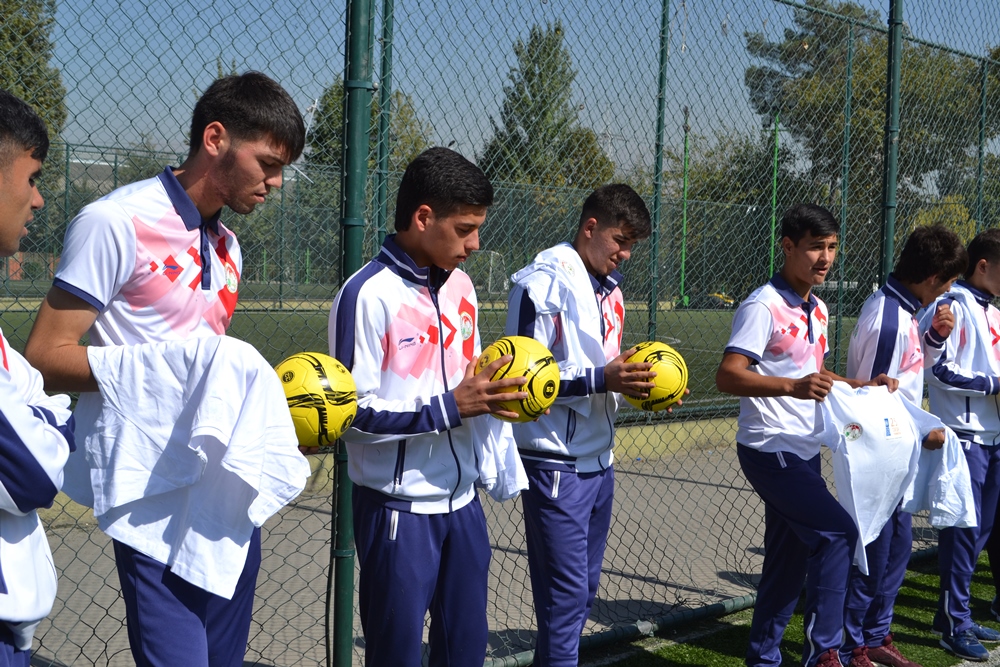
(876, 439)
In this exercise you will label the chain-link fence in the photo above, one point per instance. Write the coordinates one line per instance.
(765, 103)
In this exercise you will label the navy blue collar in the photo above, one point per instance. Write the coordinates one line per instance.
(432, 277)
(183, 204)
(981, 297)
(905, 297)
(606, 284)
(790, 295)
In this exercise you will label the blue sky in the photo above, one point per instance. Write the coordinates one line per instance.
(133, 70)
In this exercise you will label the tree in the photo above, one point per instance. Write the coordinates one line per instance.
(803, 80)
(409, 134)
(25, 54)
(538, 139)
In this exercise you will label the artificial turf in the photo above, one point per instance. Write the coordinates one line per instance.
(722, 642)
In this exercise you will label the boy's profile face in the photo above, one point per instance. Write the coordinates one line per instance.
(603, 249)
(445, 241)
(19, 199)
(809, 261)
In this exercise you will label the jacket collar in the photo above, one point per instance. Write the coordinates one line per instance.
(905, 297)
(431, 277)
(981, 297)
(183, 204)
(605, 284)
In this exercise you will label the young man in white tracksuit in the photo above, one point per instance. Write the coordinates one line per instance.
(887, 340)
(406, 326)
(569, 299)
(36, 431)
(963, 386)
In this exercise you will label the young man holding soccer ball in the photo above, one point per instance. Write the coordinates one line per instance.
(406, 326)
(569, 299)
(775, 362)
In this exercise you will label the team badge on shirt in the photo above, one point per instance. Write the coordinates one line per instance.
(852, 431)
(466, 325)
(231, 280)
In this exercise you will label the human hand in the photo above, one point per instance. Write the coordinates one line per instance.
(934, 439)
(813, 387)
(883, 380)
(631, 379)
(944, 320)
(478, 395)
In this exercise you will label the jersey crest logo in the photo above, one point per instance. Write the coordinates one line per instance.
(466, 326)
(568, 268)
(852, 431)
(231, 280)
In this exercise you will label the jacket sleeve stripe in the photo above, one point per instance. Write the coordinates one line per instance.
(525, 313)
(977, 382)
(347, 312)
(21, 474)
(887, 332)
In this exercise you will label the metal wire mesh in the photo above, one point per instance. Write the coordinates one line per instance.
(766, 104)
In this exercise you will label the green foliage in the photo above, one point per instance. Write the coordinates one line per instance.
(538, 139)
(951, 212)
(25, 54)
(409, 134)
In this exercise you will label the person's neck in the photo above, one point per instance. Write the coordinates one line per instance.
(975, 282)
(801, 287)
(193, 177)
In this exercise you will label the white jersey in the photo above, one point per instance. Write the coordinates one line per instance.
(156, 272)
(784, 336)
(875, 435)
(36, 435)
(153, 269)
(965, 382)
(887, 339)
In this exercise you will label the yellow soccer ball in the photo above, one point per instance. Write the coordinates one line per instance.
(531, 360)
(671, 375)
(321, 397)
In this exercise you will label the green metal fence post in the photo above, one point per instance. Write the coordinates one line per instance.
(684, 209)
(385, 103)
(774, 192)
(982, 145)
(657, 212)
(845, 173)
(357, 112)
(891, 144)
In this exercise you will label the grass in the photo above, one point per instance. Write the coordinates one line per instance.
(722, 642)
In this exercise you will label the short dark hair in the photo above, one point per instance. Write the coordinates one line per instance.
(986, 246)
(21, 129)
(931, 251)
(803, 219)
(618, 205)
(444, 180)
(250, 106)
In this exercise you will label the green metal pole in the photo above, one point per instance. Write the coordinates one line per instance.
(684, 208)
(385, 104)
(844, 175)
(774, 192)
(357, 112)
(982, 145)
(657, 212)
(281, 248)
(891, 145)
